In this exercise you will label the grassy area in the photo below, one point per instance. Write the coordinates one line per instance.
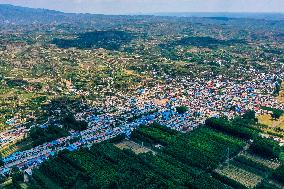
(6, 184)
(136, 148)
(273, 126)
(23, 186)
(13, 147)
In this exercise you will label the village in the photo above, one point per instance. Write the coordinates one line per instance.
(187, 101)
(203, 99)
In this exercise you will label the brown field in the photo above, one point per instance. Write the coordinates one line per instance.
(136, 148)
(265, 119)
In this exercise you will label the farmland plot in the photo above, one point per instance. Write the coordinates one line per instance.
(242, 176)
(136, 148)
(270, 163)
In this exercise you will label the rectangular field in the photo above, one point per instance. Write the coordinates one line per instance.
(242, 176)
(269, 163)
(136, 148)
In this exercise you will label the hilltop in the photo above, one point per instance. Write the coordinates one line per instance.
(23, 15)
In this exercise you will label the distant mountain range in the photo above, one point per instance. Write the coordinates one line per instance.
(23, 15)
(268, 16)
(10, 14)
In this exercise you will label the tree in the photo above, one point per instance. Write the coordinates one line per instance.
(17, 176)
(69, 122)
(249, 114)
(181, 109)
(231, 128)
(265, 147)
(277, 88)
(1, 161)
(276, 114)
(278, 174)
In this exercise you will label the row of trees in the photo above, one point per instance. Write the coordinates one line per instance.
(265, 147)
(241, 128)
(228, 127)
(205, 148)
(105, 166)
(276, 113)
(279, 174)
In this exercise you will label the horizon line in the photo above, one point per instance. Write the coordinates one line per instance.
(149, 13)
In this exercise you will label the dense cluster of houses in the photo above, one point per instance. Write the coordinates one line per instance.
(122, 113)
(28, 159)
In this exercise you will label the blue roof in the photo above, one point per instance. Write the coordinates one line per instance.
(150, 117)
(5, 170)
(43, 126)
(166, 114)
(141, 91)
(54, 142)
(72, 148)
(9, 122)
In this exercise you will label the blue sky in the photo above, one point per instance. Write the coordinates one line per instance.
(153, 6)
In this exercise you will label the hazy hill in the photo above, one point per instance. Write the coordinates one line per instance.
(16, 15)
(22, 15)
(10, 14)
(226, 15)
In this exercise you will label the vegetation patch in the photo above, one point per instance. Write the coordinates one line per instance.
(261, 161)
(111, 40)
(265, 147)
(244, 177)
(136, 148)
(205, 148)
(106, 166)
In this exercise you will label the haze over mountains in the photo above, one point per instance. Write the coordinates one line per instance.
(23, 15)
